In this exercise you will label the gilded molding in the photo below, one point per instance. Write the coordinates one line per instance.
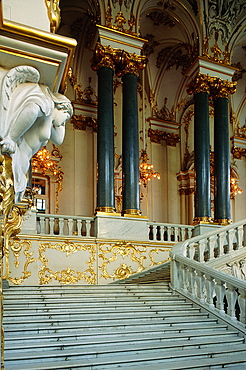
(201, 83)
(80, 122)
(105, 56)
(67, 276)
(156, 136)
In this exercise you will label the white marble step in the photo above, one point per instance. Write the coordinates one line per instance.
(219, 354)
(100, 314)
(144, 339)
(12, 339)
(53, 329)
(137, 306)
(74, 328)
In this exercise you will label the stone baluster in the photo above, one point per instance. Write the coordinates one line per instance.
(220, 295)
(231, 296)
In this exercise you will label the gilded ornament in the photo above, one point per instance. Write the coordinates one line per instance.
(105, 56)
(221, 88)
(110, 253)
(17, 246)
(201, 83)
(131, 63)
(80, 122)
(67, 276)
(54, 14)
(156, 136)
(238, 153)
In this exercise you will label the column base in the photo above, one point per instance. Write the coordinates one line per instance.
(107, 210)
(223, 221)
(202, 220)
(131, 213)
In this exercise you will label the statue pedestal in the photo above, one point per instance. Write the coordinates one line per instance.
(122, 228)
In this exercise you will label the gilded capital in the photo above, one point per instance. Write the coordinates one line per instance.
(105, 56)
(199, 84)
(131, 63)
(221, 88)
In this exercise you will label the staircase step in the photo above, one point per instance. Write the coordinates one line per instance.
(139, 327)
(168, 359)
(149, 338)
(195, 328)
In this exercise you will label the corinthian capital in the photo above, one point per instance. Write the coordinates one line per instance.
(199, 84)
(222, 88)
(131, 63)
(105, 56)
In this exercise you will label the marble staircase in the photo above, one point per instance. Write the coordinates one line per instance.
(133, 326)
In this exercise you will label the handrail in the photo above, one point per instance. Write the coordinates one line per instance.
(191, 275)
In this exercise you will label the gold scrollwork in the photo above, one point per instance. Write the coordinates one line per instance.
(16, 246)
(111, 253)
(156, 251)
(66, 276)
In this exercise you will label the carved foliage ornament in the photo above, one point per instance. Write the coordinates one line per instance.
(122, 61)
(180, 55)
(120, 20)
(222, 16)
(217, 87)
(80, 122)
(156, 136)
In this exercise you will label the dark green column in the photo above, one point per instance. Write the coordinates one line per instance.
(202, 158)
(221, 161)
(105, 141)
(130, 146)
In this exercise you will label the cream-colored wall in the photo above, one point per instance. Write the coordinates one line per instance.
(32, 13)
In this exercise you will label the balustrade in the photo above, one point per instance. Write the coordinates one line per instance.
(192, 276)
(169, 232)
(65, 225)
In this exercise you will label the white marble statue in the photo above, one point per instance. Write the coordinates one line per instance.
(30, 116)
